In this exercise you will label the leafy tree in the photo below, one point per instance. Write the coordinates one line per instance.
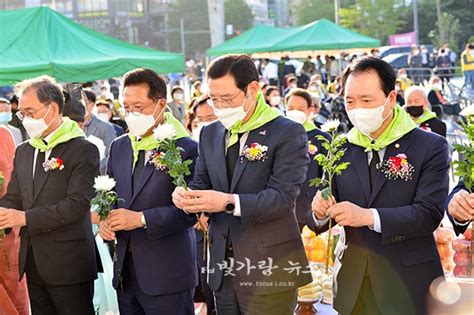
(428, 27)
(378, 19)
(450, 24)
(311, 10)
(239, 14)
(195, 16)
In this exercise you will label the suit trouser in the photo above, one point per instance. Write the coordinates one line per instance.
(47, 299)
(132, 300)
(203, 292)
(366, 303)
(230, 301)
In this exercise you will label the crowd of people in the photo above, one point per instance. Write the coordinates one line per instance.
(232, 238)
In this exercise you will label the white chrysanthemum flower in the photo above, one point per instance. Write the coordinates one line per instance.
(468, 111)
(104, 183)
(330, 125)
(164, 132)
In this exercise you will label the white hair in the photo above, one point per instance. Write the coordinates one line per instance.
(415, 88)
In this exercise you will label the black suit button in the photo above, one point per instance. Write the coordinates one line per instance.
(224, 236)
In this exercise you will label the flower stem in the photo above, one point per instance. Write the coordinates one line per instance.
(203, 229)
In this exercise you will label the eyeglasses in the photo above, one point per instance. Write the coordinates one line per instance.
(21, 115)
(134, 111)
(224, 102)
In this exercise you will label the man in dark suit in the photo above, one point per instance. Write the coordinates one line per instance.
(298, 103)
(249, 173)
(48, 197)
(418, 106)
(460, 205)
(155, 270)
(389, 201)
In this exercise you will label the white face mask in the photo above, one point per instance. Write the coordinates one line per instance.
(231, 115)
(36, 127)
(297, 116)
(403, 76)
(199, 127)
(367, 120)
(102, 116)
(319, 82)
(292, 85)
(139, 124)
(437, 86)
(178, 96)
(275, 100)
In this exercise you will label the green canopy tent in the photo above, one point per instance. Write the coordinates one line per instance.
(324, 35)
(38, 41)
(260, 38)
(319, 35)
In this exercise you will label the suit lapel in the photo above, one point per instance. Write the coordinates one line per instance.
(55, 153)
(28, 176)
(126, 177)
(144, 177)
(360, 163)
(220, 157)
(255, 136)
(397, 147)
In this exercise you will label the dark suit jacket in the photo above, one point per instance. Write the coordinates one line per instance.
(459, 229)
(303, 202)
(58, 218)
(436, 125)
(164, 253)
(267, 190)
(403, 260)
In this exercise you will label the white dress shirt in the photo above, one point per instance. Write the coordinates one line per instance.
(243, 139)
(270, 71)
(47, 153)
(377, 225)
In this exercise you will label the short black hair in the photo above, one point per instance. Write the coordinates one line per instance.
(241, 67)
(90, 96)
(47, 90)
(156, 85)
(176, 88)
(197, 102)
(270, 89)
(14, 99)
(385, 72)
(301, 93)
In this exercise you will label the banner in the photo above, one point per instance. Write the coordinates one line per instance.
(405, 39)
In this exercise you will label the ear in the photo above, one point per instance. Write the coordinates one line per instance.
(55, 108)
(162, 103)
(392, 99)
(252, 89)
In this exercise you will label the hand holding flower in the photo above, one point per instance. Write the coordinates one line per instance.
(124, 220)
(106, 232)
(321, 206)
(348, 214)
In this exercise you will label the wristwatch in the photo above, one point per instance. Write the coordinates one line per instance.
(143, 221)
(230, 206)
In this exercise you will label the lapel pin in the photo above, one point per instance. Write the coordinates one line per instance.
(397, 146)
(263, 132)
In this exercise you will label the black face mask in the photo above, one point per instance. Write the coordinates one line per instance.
(415, 110)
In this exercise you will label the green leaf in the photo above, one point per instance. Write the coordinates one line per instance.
(316, 182)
